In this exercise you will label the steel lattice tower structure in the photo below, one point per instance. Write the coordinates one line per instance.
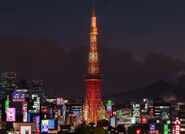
(93, 108)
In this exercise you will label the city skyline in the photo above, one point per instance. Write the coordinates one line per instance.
(50, 87)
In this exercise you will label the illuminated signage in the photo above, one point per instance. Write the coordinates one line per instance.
(72, 129)
(18, 96)
(109, 108)
(51, 124)
(120, 121)
(25, 129)
(44, 110)
(114, 113)
(29, 117)
(143, 120)
(60, 101)
(109, 113)
(10, 115)
(165, 128)
(177, 126)
(44, 126)
(109, 103)
(133, 120)
(6, 105)
(138, 131)
(37, 124)
(51, 112)
(64, 112)
(136, 110)
(36, 104)
(25, 112)
(37, 131)
(76, 112)
(157, 132)
(152, 127)
(113, 122)
(152, 112)
(59, 112)
(81, 121)
(120, 113)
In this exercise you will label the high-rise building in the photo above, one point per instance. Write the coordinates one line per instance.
(7, 84)
(127, 117)
(8, 81)
(162, 113)
(93, 108)
(181, 115)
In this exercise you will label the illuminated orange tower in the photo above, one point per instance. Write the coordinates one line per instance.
(93, 109)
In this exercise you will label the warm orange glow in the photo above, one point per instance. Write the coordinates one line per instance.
(93, 109)
(93, 67)
(93, 22)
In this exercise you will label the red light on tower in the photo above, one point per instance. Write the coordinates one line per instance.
(93, 109)
(177, 126)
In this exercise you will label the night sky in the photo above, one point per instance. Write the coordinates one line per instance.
(140, 42)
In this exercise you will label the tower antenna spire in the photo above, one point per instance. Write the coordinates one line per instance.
(93, 7)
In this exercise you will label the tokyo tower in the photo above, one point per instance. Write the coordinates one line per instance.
(93, 108)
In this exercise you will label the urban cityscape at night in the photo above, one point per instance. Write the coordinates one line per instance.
(128, 78)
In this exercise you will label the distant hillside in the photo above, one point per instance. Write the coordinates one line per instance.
(168, 88)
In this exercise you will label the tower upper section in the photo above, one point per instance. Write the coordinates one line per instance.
(93, 64)
(93, 29)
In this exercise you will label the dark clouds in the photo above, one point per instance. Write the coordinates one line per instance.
(139, 26)
(137, 37)
(63, 71)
